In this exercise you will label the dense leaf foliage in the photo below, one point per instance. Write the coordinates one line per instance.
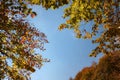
(104, 16)
(108, 68)
(18, 41)
(47, 4)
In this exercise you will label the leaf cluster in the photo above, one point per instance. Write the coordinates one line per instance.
(18, 41)
(47, 4)
(108, 68)
(104, 16)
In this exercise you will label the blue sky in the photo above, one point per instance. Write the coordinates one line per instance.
(68, 54)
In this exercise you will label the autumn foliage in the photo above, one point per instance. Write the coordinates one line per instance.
(108, 68)
(18, 42)
(103, 17)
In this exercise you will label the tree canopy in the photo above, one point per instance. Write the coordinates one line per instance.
(108, 68)
(18, 41)
(104, 16)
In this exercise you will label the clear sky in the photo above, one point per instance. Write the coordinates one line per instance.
(68, 54)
